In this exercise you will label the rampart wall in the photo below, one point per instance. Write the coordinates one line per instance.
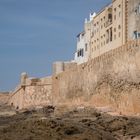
(35, 92)
(4, 97)
(112, 79)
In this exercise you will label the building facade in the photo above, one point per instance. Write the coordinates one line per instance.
(80, 53)
(109, 28)
(83, 42)
(115, 25)
(133, 19)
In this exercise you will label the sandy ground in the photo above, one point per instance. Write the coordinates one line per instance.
(62, 123)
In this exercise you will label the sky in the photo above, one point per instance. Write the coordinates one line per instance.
(36, 33)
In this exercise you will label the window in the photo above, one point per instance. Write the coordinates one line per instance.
(101, 26)
(114, 17)
(114, 29)
(136, 10)
(86, 47)
(114, 37)
(119, 27)
(136, 35)
(110, 17)
(110, 34)
(119, 14)
(107, 39)
(92, 34)
(119, 6)
(114, 9)
(80, 53)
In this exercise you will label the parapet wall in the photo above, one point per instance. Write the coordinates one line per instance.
(112, 79)
(34, 92)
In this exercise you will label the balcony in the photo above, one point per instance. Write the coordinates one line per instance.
(109, 17)
(109, 22)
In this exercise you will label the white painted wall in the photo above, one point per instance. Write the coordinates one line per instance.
(80, 52)
(84, 40)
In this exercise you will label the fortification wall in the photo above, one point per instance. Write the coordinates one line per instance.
(112, 79)
(60, 66)
(34, 92)
(4, 97)
(133, 14)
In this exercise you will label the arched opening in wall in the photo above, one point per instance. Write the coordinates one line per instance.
(17, 107)
(11, 104)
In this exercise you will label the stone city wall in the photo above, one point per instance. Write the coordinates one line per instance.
(4, 97)
(61, 66)
(34, 92)
(112, 80)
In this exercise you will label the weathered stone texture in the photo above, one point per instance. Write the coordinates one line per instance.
(4, 97)
(60, 66)
(34, 92)
(112, 79)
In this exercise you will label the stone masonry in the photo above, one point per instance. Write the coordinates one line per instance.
(32, 92)
(112, 79)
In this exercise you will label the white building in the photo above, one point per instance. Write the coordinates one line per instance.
(80, 52)
(83, 42)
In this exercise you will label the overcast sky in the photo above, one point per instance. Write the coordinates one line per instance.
(35, 33)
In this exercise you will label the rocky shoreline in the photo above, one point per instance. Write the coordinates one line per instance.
(66, 123)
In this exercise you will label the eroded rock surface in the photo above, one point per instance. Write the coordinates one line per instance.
(68, 123)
